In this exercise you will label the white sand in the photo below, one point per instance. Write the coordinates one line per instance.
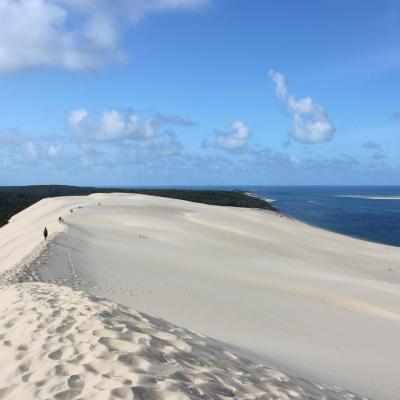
(317, 304)
(58, 343)
(22, 236)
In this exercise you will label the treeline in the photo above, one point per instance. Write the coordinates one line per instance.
(14, 199)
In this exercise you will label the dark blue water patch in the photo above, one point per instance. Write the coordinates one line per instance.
(372, 216)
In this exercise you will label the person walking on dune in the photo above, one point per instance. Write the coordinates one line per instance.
(45, 233)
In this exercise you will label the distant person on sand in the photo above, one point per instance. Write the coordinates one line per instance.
(45, 233)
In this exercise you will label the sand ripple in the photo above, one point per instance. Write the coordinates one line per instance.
(59, 343)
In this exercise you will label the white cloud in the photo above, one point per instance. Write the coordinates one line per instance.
(280, 82)
(77, 117)
(32, 150)
(140, 9)
(234, 139)
(34, 33)
(52, 151)
(13, 139)
(141, 129)
(80, 125)
(112, 125)
(311, 124)
(71, 34)
(125, 128)
(165, 145)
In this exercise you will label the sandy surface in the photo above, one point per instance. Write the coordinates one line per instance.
(316, 304)
(58, 343)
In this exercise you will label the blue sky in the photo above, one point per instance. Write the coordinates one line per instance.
(181, 92)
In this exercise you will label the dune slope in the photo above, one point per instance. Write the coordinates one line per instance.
(312, 303)
(57, 343)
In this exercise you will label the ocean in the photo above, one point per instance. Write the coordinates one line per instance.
(365, 212)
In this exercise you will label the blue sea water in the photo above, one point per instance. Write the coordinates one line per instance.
(366, 212)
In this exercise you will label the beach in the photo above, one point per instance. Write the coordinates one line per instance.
(269, 290)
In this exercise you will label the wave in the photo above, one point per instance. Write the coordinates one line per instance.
(251, 194)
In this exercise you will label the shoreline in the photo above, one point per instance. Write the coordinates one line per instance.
(257, 196)
(348, 211)
(169, 293)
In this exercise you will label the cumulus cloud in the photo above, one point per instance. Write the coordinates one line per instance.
(21, 144)
(113, 124)
(14, 138)
(126, 128)
(233, 140)
(165, 145)
(311, 124)
(163, 156)
(71, 34)
(53, 151)
(31, 149)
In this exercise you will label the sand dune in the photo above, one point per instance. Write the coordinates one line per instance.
(313, 303)
(57, 343)
(23, 235)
